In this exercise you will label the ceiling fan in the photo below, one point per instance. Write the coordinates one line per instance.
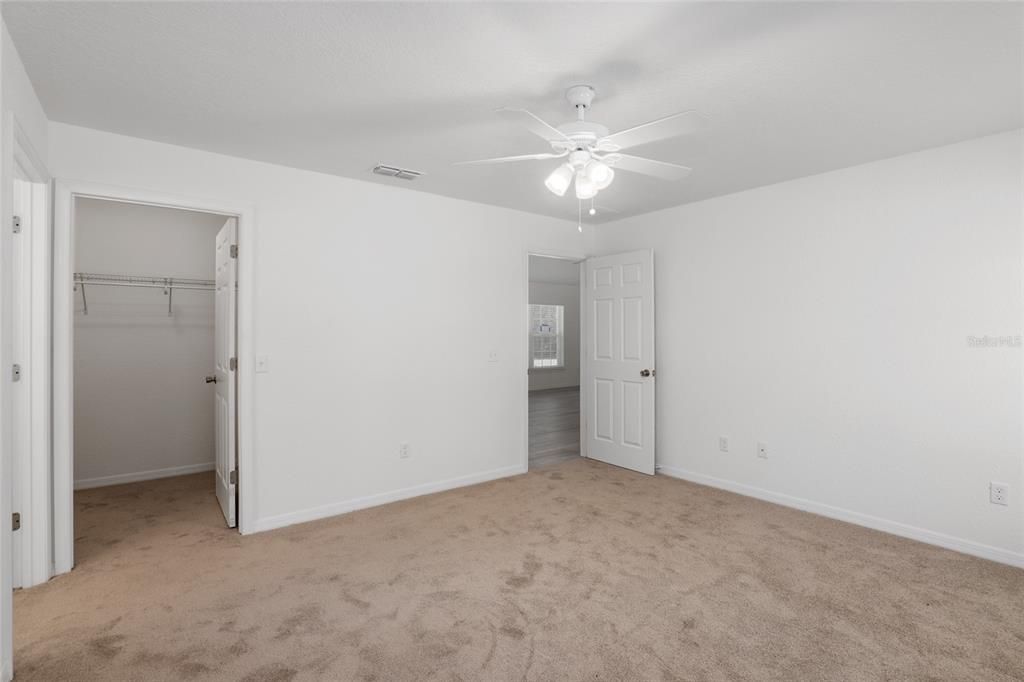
(591, 154)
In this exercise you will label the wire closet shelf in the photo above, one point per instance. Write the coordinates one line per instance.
(168, 284)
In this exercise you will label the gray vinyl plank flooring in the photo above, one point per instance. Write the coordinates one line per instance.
(554, 426)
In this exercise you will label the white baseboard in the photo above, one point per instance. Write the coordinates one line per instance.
(1003, 556)
(327, 510)
(143, 475)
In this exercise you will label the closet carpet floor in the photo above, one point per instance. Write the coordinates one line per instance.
(580, 571)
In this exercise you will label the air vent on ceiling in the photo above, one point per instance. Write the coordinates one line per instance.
(393, 172)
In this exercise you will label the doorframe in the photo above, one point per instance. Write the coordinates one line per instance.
(524, 359)
(30, 319)
(23, 159)
(65, 194)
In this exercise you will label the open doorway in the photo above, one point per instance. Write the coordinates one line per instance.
(554, 360)
(590, 358)
(144, 401)
(151, 317)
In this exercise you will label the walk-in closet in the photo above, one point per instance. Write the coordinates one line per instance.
(144, 391)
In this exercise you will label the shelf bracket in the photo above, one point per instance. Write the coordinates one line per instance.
(85, 302)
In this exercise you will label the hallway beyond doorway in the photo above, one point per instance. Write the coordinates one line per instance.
(554, 426)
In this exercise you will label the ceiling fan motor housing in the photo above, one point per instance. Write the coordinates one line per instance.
(583, 133)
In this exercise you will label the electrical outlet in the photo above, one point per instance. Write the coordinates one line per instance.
(999, 493)
(762, 450)
(723, 443)
(403, 451)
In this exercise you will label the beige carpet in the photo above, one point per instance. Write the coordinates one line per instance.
(582, 571)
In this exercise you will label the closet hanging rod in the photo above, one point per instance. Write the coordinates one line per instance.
(137, 281)
(168, 284)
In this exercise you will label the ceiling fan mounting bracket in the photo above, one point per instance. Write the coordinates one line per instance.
(580, 96)
(581, 134)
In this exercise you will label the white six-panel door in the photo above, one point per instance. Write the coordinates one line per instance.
(225, 299)
(618, 361)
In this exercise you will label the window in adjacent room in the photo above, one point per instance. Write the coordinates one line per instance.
(547, 341)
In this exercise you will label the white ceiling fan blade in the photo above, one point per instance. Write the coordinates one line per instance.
(637, 164)
(535, 124)
(506, 159)
(671, 126)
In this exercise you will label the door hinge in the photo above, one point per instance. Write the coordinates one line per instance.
(233, 477)
(233, 364)
(16, 372)
(16, 521)
(234, 250)
(16, 224)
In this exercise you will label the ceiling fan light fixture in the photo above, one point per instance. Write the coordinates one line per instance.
(558, 182)
(601, 174)
(585, 187)
(591, 156)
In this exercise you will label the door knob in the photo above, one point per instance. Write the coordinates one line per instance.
(645, 372)
(211, 380)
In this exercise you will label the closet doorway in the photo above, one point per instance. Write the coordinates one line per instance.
(151, 405)
(154, 324)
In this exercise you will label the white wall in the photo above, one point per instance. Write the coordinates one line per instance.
(567, 295)
(828, 317)
(355, 285)
(142, 409)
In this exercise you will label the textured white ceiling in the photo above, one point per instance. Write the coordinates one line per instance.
(791, 89)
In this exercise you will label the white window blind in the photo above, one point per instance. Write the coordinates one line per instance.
(547, 341)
